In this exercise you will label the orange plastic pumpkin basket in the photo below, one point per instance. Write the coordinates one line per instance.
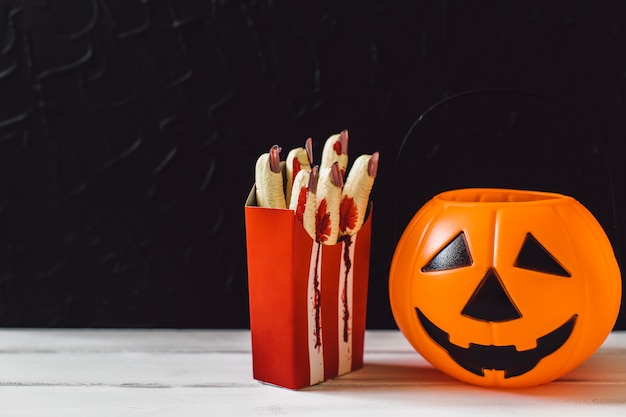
(497, 285)
(504, 287)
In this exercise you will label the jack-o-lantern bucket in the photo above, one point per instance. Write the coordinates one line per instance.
(500, 287)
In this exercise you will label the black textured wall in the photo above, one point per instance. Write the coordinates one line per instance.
(129, 131)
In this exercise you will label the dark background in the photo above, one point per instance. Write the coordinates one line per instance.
(129, 131)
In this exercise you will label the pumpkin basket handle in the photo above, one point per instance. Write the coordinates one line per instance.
(504, 138)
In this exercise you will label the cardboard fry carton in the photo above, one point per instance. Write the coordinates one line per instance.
(307, 301)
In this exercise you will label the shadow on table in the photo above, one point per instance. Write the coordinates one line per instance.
(599, 381)
(380, 375)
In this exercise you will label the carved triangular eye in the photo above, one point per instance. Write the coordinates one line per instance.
(535, 257)
(454, 255)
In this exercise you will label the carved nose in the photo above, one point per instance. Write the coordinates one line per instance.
(490, 301)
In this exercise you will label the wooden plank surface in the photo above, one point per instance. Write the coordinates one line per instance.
(208, 373)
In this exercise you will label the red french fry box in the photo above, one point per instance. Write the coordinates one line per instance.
(307, 300)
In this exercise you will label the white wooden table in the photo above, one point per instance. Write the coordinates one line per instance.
(157, 373)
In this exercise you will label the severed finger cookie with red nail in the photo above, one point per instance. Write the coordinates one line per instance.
(329, 187)
(297, 159)
(356, 192)
(303, 199)
(269, 180)
(336, 150)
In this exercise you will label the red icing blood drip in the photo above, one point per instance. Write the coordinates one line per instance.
(301, 204)
(344, 294)
(296, 168)
(337, 148)
(322, 222)
(348, 213)
(317, 301)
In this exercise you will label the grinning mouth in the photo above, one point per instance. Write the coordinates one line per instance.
(476, 358)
